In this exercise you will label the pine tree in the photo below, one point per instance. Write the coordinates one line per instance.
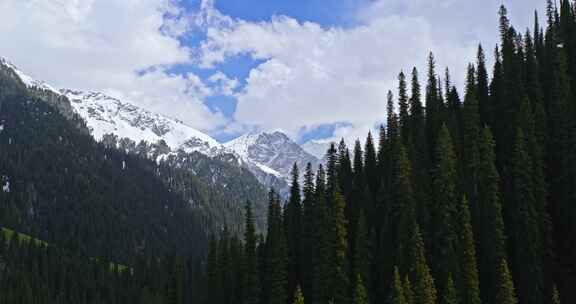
(403, 215)
(359, 296)
(469, 282)
(397, 290)
(443, 233)
(482, 89)
(471, 131)
(555, 295)
(370, 165)
(491, 237)
(309, 232)
(298, 297)
(293, 222)
(450, 296)
(505, 293)
(276, 257)
(340, 250)
(404, 110)
(424, 287)
(434, 106)
(408, 290)
(524, 227)
(361, 254)
(250, 285)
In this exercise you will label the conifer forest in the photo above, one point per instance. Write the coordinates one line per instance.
(464, 196)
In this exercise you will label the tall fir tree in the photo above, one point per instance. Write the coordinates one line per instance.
(469, 284)
(251, 283)
(276, 255)
(491, 236)
(450, 295)
(505, 293)
(424, 286)
(397, 289)
(293, 223)
(443, 233)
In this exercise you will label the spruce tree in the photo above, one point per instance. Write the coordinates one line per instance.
(443, 233)
(505, 293)
(276, 257)
(360, 295)
(408, 290)
(469, 289)
(491, 237)
(397, 290)
(404, 110)
(310, 228)
(524, 226)
(450, 296)
(250, 284)
(555, 295)
(293, 223)
(482, 89)
(471, 131)
(370, 165)
(434, 106)
(339, 242)
(298, 297)
(361, 251)
(424, 287)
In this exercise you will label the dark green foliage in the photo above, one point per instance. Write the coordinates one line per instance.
(505, 293)
(443, 228)
(450, 296)
(468, 280)
(397, 290)
(293, 223)
(276, 279)
(250, 283)
(298, 297)
(424, 287)
(491, 236)
(359, 295)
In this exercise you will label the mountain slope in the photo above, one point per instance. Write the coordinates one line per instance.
(106, 115)
(70, 191)
(271, 156)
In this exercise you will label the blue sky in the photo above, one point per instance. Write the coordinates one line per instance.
(315, 69)
(327, 13)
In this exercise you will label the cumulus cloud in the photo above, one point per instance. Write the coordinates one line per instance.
(311, 75)
(119, 47)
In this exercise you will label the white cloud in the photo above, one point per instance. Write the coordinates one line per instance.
(124, 47)
(223, 84)
(313, 76)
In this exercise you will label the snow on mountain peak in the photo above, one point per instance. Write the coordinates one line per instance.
(273, 150)
(108, 115)
(28, 80)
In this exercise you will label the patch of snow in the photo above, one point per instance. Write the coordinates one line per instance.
(1, 128)
(28, 80)
(268, 170)
(107, 115)
(5, 184)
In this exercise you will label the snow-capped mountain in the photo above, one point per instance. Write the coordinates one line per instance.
(27, 80)
(106, 115)
(269, 156)
(274, 153)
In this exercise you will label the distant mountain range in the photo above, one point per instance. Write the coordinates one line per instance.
(269, 156)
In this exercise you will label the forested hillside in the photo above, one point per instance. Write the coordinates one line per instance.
(460, 199)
